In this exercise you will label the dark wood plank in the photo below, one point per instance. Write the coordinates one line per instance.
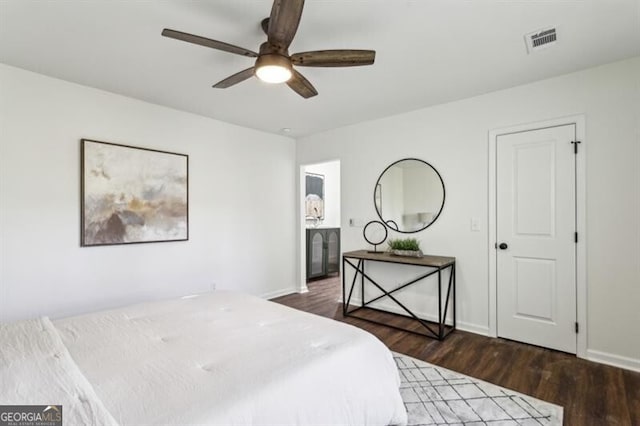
(592, 394)
(426, 260)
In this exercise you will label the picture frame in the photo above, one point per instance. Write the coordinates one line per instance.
(314, 196)
(132, 195)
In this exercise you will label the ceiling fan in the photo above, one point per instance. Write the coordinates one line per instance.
(273, 63)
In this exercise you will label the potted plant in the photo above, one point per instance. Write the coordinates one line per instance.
(405, 247)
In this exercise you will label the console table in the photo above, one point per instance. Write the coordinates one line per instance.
(435, 264)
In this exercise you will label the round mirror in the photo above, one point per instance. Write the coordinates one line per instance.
(409, 195)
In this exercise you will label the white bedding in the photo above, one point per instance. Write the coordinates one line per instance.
(36, 369)
(232, 359)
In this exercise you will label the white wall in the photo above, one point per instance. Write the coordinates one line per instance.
(331, 173)
(454, 139)
(240, 213)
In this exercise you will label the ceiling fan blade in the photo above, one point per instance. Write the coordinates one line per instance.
(283, 22)
(301, 85)
(207, 42)
(334, 58)
(235, 79)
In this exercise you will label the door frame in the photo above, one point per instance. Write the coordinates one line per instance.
(581, 207)
(302, 232)
(301, 222)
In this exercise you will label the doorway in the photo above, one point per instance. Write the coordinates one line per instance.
(320, 221)
(537, 287)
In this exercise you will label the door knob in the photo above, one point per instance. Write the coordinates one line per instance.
(503, 246)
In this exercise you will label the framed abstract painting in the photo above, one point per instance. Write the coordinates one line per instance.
(132, 195)
(314, 196)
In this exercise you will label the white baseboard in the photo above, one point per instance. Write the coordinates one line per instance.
(482, 330)
(278, 293)
(303, 289)
(614, 360)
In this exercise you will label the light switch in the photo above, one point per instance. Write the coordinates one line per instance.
(356, 222)
(475, 224)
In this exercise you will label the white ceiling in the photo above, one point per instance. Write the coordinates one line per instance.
(428, 52)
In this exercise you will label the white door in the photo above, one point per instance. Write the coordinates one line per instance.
(536, 224)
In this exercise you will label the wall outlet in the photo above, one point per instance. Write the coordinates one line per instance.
(475, 224)
(356, 222)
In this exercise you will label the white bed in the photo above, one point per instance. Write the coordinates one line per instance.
(230, 359)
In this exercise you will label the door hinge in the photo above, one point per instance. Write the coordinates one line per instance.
(575, 237)
(577, 328)
(575, 146)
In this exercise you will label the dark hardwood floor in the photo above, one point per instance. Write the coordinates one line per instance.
(592, 394)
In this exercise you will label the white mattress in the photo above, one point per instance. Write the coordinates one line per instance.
(232, 359)
(36, 369)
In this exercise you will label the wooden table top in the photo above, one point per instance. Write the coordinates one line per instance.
(383, 256)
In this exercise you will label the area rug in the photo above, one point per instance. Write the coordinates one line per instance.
(437, 396)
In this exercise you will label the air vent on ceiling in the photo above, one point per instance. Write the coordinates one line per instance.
(540, 39)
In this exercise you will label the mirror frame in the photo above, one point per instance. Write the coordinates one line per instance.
(444, 196)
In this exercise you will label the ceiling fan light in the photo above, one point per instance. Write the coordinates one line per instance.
(273, 74)
(273, 69)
